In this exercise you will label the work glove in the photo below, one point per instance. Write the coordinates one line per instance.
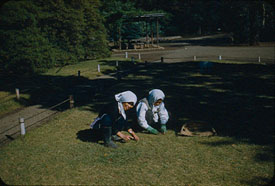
(152, 130)
(163, 128)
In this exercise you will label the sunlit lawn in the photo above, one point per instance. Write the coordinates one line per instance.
(57, 153)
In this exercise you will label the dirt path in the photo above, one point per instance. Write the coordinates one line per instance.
(33, 116)
(211, 52)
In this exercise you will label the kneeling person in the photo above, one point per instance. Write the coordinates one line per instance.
(152, 110)
(112, 119)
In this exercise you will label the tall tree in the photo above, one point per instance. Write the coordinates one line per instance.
(39, 34)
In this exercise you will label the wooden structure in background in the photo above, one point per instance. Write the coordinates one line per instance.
(148, 19)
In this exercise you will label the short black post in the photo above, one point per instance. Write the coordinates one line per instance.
(146, 63)
(118, 74)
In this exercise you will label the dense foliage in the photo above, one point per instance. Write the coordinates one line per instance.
(248, 21)
(36, 34)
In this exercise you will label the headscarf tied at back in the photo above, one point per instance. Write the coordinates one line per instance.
(155, 95)
(127, 96)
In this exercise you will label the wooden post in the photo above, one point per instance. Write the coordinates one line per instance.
(78, 74)
(126, 55)
(22, 126)
(146, 62)
(152, 33)
(116, 63)
(118, 75)
(259, 59)
(195, 58)
(119, 38)
(17, 93)
(157, 32)
(139, 56)
(220, 57)
(161, 59)
(147, 38)
(71, 98)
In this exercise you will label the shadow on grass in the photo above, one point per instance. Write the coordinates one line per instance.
(88, 135)
(237, 100)
(259, 181)
(2, 182)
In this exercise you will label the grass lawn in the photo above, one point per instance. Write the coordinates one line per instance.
(53, 82)
(61, 153)
(9, 102)
(238, 100)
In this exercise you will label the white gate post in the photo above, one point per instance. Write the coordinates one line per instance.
(17, 93)
(22, 126)
(98, 67)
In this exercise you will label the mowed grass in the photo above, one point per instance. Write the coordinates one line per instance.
(89, 69)
(56, 154)
(86, 68)
(9, 102)
(237, 100)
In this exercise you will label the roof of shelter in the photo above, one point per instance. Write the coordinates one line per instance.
(144, 17)
(152, 15)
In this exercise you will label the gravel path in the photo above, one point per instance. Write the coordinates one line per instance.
(34, 116)
(250, 53)
(185, 50)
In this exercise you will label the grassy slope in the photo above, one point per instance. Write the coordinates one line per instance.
(29, 88)
(155, 160)
(62, 152)
(9, 103)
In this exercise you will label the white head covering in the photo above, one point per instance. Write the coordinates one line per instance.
(155, 95)
(127, 96)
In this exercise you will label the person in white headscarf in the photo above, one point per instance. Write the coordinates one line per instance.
(151, 110)
(112, 119)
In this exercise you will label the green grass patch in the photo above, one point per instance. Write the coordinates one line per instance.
(91, 67)
(87, 68)
(9, 102)
(237, 100)
(55, 82)
(61, 153)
